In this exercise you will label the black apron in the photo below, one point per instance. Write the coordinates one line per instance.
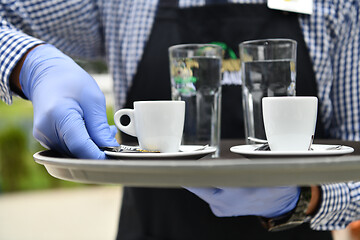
(162, 213)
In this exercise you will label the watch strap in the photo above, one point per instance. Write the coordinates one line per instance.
(294, 218)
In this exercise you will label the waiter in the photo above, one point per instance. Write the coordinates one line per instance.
(158, 213)
(69, 111)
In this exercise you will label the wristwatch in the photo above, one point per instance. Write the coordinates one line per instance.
(293, 218)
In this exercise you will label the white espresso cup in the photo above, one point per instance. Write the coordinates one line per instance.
(158, 125)
(289, 122)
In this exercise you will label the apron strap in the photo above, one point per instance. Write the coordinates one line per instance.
(216, 1)
(175, 3)
(168, 3)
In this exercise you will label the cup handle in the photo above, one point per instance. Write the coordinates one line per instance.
(129, 129)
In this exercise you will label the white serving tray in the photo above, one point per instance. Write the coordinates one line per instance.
(229, 170)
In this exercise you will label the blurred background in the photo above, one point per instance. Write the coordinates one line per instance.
(35, 205)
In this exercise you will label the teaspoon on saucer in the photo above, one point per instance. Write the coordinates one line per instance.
(265, 146)
(135, 149)
(257, 140)
(125, 148)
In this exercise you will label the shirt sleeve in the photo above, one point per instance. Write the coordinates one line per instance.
(73, 26)
(332, 34)
(340, 206)
(345, 55)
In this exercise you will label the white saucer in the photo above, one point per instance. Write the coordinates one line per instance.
(186, 152)
(318, 150)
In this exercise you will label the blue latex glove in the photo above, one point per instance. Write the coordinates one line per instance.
(69, 107)
(266, 202)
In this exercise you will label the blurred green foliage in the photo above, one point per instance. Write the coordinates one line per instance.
(18, 170)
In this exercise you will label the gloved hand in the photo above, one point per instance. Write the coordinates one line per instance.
(266, 202)
(69, 107)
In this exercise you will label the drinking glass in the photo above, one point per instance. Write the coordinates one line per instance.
(268, 69)
(195, 71)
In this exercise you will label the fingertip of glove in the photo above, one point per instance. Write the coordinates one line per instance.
(113, 130)
(92, 154)
(98, 155)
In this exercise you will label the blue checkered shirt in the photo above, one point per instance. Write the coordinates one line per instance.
(117, 30)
